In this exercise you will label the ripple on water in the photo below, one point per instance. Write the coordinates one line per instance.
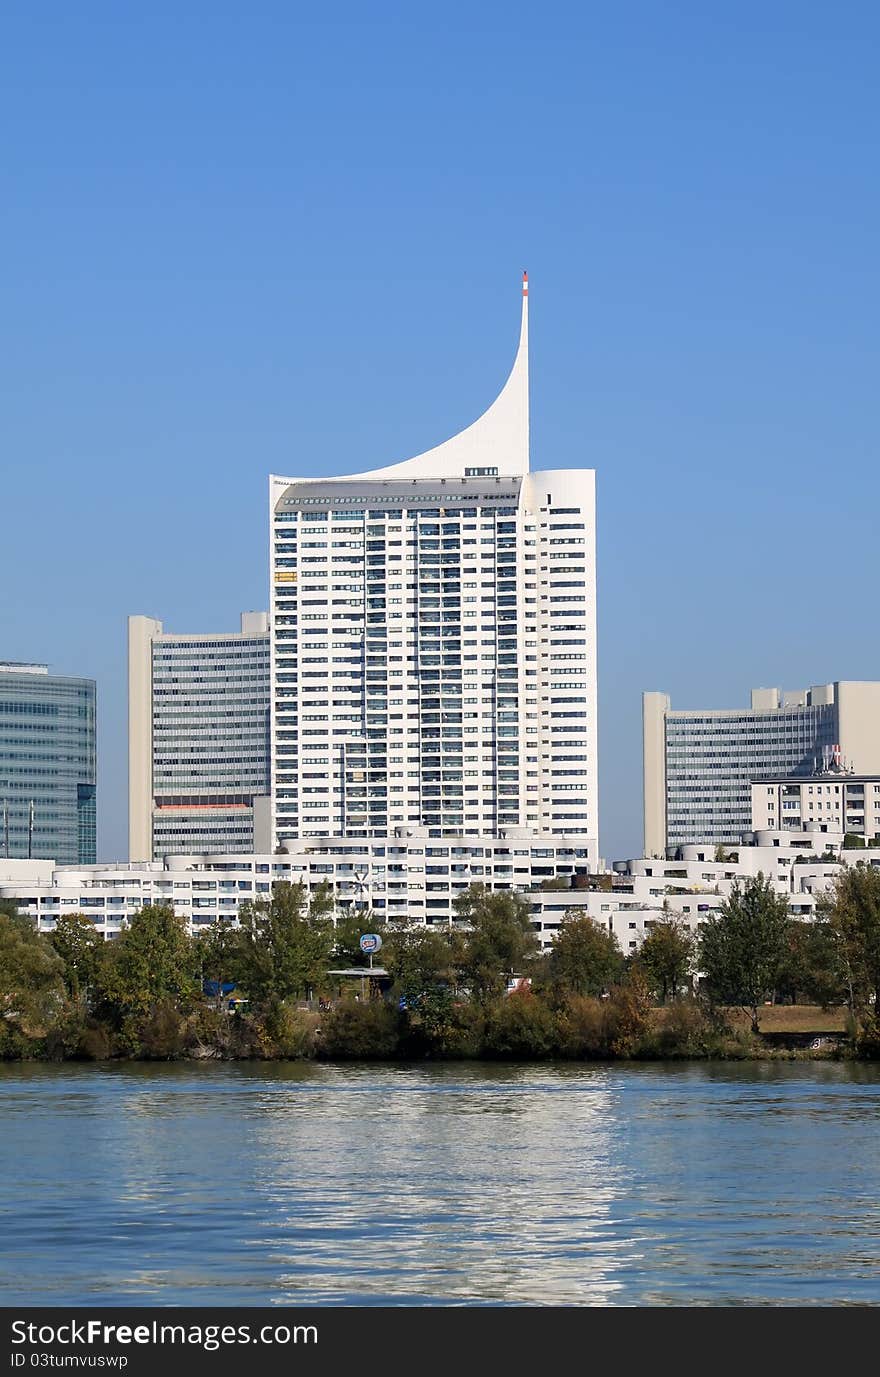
(256, 1184)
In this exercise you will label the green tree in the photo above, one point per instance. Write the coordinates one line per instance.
(285, 944)
(824, 973)
(667, 956)
(742, 948)
(499, 941)
(216, 953)
(350, 928)
(584, 959)
(417, 958)
(354, 1030)
(152, 962)
(81, 949)
(420, 962)
(812, 966)
(31, 983)
(853, 917)
(521, 1025)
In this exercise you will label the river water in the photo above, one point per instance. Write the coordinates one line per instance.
(256, 1184)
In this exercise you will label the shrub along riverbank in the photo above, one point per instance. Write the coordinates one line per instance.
(157, 992)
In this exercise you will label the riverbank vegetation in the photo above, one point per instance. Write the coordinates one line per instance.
(265, 987)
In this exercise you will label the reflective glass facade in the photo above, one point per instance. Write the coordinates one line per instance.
(47, 765)
(713, 757)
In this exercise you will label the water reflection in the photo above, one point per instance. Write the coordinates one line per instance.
(250, 1184)
(463, 1184)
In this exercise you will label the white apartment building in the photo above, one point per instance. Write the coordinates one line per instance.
(830, 801)
(699, 765)
(418, 879)
(198, 739)
(434, 644)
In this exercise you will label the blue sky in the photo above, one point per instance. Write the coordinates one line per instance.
(275, 238)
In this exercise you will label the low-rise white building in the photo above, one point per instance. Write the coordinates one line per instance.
(415, 877)
(648, 891)
(418, 878)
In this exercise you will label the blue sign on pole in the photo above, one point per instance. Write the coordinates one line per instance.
(370, 943)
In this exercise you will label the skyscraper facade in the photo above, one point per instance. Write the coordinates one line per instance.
(434, 642)
(47, 765)
(198, 739)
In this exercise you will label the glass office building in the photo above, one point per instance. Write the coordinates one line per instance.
(712, 758)
(47, 765)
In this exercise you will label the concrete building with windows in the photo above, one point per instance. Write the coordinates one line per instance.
(415, 879)
(47, 764)
(198, 739)
(434, 644)
(398, 881)
(827, 801)
(699, 765)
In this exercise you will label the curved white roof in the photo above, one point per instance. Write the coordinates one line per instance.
(497, 440)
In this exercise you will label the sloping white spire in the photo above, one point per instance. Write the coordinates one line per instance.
(499, 439)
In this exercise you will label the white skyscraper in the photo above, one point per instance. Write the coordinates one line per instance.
(433, 634)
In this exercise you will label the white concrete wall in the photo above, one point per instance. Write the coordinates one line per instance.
(141, 631)
(858, 711)
(654, 709)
